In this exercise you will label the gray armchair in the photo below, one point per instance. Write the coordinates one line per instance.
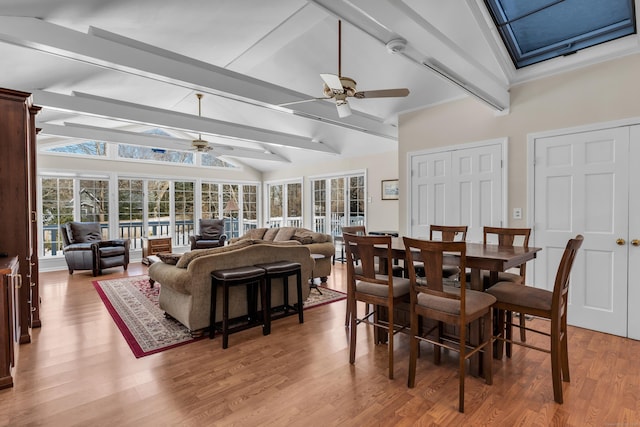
(211, 234)
(84, 248)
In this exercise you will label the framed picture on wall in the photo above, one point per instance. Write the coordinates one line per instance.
(390, 189)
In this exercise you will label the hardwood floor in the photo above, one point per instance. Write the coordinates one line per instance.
(79, 371)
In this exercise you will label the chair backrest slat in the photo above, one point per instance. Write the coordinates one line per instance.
(448, 233)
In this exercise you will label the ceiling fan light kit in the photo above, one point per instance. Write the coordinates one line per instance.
(340, 87)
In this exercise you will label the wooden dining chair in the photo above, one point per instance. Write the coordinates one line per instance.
(360, 230)
(367, 286)
(432, 299)
(508, 237)
(551, 305)
(444, 233)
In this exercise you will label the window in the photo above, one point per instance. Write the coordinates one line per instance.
(210, 201)
(94, 203)
(249, 207)
(131, 210)
(537, 30)
(346, 203)
(211, 160)
(57, 209)
(158, 208)
(86, 148)
(183, 195)
(285, 204)
(138, 152)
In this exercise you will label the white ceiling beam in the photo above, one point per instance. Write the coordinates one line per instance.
(73, 130)
(135, 113)
(426, 45)
(115, 52)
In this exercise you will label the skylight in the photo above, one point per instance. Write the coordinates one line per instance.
(537, 30)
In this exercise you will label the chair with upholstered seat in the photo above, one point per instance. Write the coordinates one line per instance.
(366, 285)
(544, 304)
(211, 234)
(508, 237)
(444, 233)
(84, 248)
(432, 298)
(360, 230)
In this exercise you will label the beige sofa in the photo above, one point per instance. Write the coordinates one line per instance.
(318, 244)
(185, 288)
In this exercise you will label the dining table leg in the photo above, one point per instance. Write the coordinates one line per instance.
(475, 362)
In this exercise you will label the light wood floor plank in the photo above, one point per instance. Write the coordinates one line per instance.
(79, 371)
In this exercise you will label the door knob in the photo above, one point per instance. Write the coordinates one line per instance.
(635, 242)
(620, 242)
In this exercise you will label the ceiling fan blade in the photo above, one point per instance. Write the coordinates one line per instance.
(384, 93)
(333, 82)
(300, 102)
(343, 109)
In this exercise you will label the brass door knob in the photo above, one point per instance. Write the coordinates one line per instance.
(635, 242)
(620, 242)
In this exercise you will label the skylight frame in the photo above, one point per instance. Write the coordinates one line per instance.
(565, 47)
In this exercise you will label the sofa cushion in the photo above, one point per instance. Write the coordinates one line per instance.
(186, 258)
(270, 234)
(169, 258)
(284, 234)
(83, 232)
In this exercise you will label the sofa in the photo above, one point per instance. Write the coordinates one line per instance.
(185, 280)
(318, 244)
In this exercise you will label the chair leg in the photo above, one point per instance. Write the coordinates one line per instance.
(461, 368)
(413, 351)
(487, 357)
(500, 331)
(564, 352)
(352, 332)
(523, 331)
(390, 333)
(508, 331)
(436, 348)
(556, 363)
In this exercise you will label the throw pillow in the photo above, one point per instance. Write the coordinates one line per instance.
(169, 258)
(270, 234)
(284, 234)
(305, 240)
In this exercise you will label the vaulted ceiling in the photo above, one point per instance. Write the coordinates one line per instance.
(108, 70)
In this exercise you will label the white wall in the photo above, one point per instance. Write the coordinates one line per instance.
(600, 93)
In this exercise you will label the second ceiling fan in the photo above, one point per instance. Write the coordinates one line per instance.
(340, 87)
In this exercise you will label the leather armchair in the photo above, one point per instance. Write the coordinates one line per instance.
(211, 234)
(84, 248)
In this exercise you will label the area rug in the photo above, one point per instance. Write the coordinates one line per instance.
(134, 307)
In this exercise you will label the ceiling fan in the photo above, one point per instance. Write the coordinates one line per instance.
(200, 144)
(340, 87)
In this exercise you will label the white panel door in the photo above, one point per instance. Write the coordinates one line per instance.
(581, 187)
(634, 236)
(457, 187)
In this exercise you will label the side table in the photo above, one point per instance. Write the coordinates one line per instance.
(312, 283)
(154, 245)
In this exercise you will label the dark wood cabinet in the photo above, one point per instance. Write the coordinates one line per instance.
(18, 213)
(10, 282)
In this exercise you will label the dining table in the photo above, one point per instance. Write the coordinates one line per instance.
(479, 256)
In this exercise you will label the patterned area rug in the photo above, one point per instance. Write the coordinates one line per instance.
(134, 307)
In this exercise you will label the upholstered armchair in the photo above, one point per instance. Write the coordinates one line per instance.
(211, 234)
(84, 248)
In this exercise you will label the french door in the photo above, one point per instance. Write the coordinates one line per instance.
(585, 184)
(461, 186)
